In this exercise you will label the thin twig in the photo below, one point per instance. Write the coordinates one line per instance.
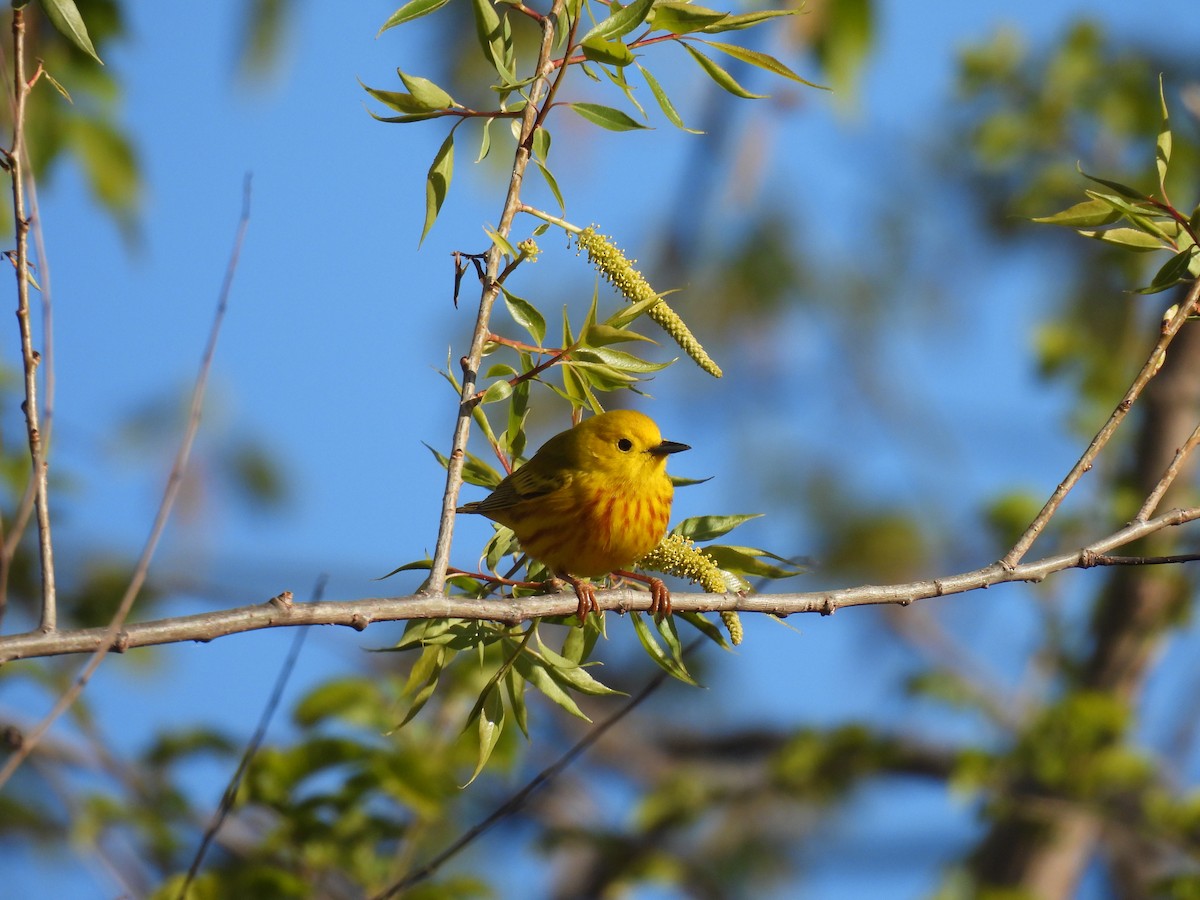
(359, 614)
(260, 732)
(517, 800)
(1153, 362)
(470, 363)
(1168, 477)
(174, 482)
(29, 357)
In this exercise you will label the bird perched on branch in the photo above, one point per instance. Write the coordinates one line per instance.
(591, 502)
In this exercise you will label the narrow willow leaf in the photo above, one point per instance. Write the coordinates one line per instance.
(1088, 214)
(601, 335)
(514, 685)
(655, 651)
(425, 92)
(705, 627)
(707, 528)
(627, 314)
(720, 76)
(552, 184)
(1124, 237)
(1177, 269)
(502, 242)
(619, 360)
(748, 20)
(490, 727)
(683, 18)
(762, 60)
(749, 561)
(606, 117)
(607, 53)
(497, 391)
(414, 9)
(670, 636)
(621, 22)
(437, 182)
(573, 675)
(541, 144)
(419, 565)
(1162, 148)
(579, 642)
(664, 102)
(57, 85)
(64, 16)
(397, 100)
(540, 679)
(526, 315)
(430, 665)
(415, 117)
(1123, 189)
(617, 77)
(490, 31)
(485, 141)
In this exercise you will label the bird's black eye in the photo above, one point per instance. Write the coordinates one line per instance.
(624, 445)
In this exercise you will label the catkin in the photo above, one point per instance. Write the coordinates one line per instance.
(679, 556)
(620, 273)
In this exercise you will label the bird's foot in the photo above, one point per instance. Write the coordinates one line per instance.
(660, 595)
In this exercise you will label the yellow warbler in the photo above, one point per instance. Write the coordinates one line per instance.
(591, 502)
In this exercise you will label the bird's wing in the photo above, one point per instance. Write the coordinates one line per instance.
(525, 484)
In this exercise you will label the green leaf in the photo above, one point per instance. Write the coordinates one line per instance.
(628, 314)
(720, 76)
(1125, 237)
(618, 360)
(654, 650)
(541, 679)
(426, 93)
(541, 143)
(437, 182)
(573, 675)
(399, 101)
(664, 102)
(683, 18)
(1123, 189)
(705, 627)
(424, 676)
(490, 726)
(580, 641)
(485, 141)
(1177, 269)
(420, 565)
(707, 528)
(1088, 214)
(606, 117)
(1162, 148)
(748, 20)
(64, 16)
(348, 699)
(496, 391)
(526, 315)
(620, 23)
(494, 39)
(599, 335)
(761, 60)
(750, 561)
(414, 9)
(502, 242)
(551, 183)
(609, 53)
(514, 685)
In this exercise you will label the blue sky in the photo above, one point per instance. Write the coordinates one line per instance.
(338, 323)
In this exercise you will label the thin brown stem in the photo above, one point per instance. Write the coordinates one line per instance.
(174, 483)
(470, 363)
(1168, 477)
(1149, 370)
(30, 357)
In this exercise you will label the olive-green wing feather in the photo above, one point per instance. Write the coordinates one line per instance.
(525, 484)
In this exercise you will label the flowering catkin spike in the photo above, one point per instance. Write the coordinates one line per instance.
(620, 273)
(677, 555)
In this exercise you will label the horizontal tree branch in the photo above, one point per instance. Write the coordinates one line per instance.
(358, 614)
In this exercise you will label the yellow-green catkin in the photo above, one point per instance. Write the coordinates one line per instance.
(620, 273)
(679, 556)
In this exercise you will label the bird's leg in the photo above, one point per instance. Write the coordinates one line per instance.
(660, 596)
(585, 592)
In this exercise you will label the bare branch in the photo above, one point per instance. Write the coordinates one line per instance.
(111, 635)
(358, 614)
(538, 90)
(29, 357)
(1149, 370)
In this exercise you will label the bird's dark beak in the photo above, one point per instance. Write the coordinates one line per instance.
(667, 447)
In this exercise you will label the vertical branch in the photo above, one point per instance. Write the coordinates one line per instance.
(29, 357)
(538, 92)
